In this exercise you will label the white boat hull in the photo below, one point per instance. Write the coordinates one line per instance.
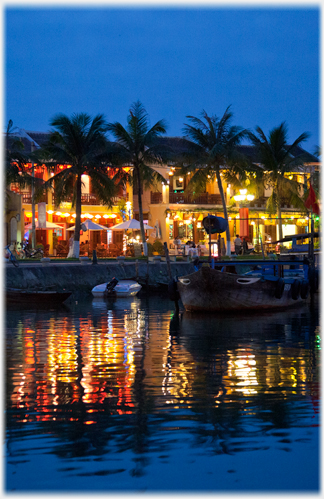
(123, 289)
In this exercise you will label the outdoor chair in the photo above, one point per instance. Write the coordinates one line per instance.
(113, 250)
(46, 250)
(84, 248)
(101, 252)
(61, 251)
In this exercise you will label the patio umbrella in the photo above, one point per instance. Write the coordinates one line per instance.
(130, 224)
(90, 225)
(49, 226)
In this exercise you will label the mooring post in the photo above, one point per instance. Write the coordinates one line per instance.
(209, 238)
(167, 257)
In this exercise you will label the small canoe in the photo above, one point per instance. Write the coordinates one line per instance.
(124, 288)
(36, 297)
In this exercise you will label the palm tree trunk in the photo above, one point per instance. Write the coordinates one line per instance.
(76, 241)
(279, 220)
(279, 211)
(220, 187)
(140, 209)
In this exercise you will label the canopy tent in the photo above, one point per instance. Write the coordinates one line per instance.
(131, 224)
(49, 226)
(90, 225)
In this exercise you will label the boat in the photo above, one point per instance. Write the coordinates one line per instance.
(212, 290)
(38, 297)
(119, 289)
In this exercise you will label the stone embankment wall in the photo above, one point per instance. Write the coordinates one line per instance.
(82, 278)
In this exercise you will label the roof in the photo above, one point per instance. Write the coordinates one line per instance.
(177, 146)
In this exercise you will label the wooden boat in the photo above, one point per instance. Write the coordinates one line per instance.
(212, 290)
(120, 289)
(36, 297)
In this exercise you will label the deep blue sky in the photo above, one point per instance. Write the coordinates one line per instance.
(176, 61)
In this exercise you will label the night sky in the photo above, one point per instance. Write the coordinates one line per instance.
(264, 62)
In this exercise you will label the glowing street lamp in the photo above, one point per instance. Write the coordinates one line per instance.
(243, 196)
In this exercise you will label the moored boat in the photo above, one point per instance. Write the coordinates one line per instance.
(123, 288)
(36, 297)
(212, 290)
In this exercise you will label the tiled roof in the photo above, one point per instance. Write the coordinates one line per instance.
(39, 137)
(177, 144)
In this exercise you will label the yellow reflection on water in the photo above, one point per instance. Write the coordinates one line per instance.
(242, 372)
(103, 360)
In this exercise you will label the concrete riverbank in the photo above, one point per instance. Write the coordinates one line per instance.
(80, 278)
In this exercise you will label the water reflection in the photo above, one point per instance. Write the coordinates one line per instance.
(108, 377)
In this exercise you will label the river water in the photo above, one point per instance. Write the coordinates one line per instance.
(128, 397)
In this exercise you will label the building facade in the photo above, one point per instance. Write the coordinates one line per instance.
(167, 207)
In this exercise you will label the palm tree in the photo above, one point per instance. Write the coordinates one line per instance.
(138, 145)
(15, 158)
(212, 145)
(278, 159)
(80, 142)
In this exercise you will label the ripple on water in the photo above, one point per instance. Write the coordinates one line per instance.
(134, 386)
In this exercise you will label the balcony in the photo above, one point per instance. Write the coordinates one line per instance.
(205, 198)
(91, 199)
(258, 202)
(180, 198)
(261, 202)
(27, 198)
(156, 197)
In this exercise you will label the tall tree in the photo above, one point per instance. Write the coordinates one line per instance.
(278, 159)
(79, 142)
(15, 158)
(212, 145)
(137, 145)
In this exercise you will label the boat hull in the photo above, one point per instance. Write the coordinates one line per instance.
(211, 290)
(36, 298)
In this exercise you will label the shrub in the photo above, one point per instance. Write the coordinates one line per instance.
(158, 247)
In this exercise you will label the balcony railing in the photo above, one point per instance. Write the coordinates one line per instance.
(156, 197)
(92, 199)
(179, 198)
(204, 198)
(261, 202)
(27, 198)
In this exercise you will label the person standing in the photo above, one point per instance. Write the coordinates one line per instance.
(70, 247)
(237, 244)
